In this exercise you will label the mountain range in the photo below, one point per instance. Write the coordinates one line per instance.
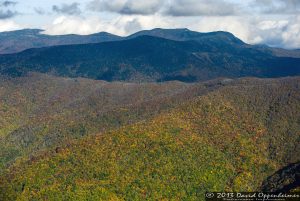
(156, 55)
(163, 114)
(17, 41)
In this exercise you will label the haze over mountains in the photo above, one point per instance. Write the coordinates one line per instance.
(155, 55)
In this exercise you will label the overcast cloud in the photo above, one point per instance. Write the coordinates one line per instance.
(279, 7)
(6, 9)
(127, 7)
(7, 3)
(272, 22)
(68, 9)
(200, 8)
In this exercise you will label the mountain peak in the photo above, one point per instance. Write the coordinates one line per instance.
(184, 34)
(176, 29)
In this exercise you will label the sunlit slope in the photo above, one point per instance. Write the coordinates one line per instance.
(231, 138)
(40, 111)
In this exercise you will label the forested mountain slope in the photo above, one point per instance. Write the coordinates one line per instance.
(148, 58)
(39, 111)
(17, 41)
(214, 136)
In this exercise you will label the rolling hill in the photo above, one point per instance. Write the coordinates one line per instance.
(86, 139)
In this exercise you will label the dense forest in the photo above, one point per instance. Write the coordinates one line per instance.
(81, 139)
(162, 114)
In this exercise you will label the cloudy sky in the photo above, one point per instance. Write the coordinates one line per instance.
(272, 22)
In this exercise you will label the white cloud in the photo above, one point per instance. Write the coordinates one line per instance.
(120, 25)
(271, 24)
(275, 32)
(123, 17)
(9, 25)
(72, 25)
(291, 35)
(272, 31)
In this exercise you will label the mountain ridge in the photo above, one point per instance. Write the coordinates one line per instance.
(150, 58)
(172, 34)
(17, 41)
(230, 138)
(163, 114)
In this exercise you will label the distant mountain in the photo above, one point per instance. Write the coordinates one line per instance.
(16, 41)
(217, 38)
(279, 52)
(148, 58)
